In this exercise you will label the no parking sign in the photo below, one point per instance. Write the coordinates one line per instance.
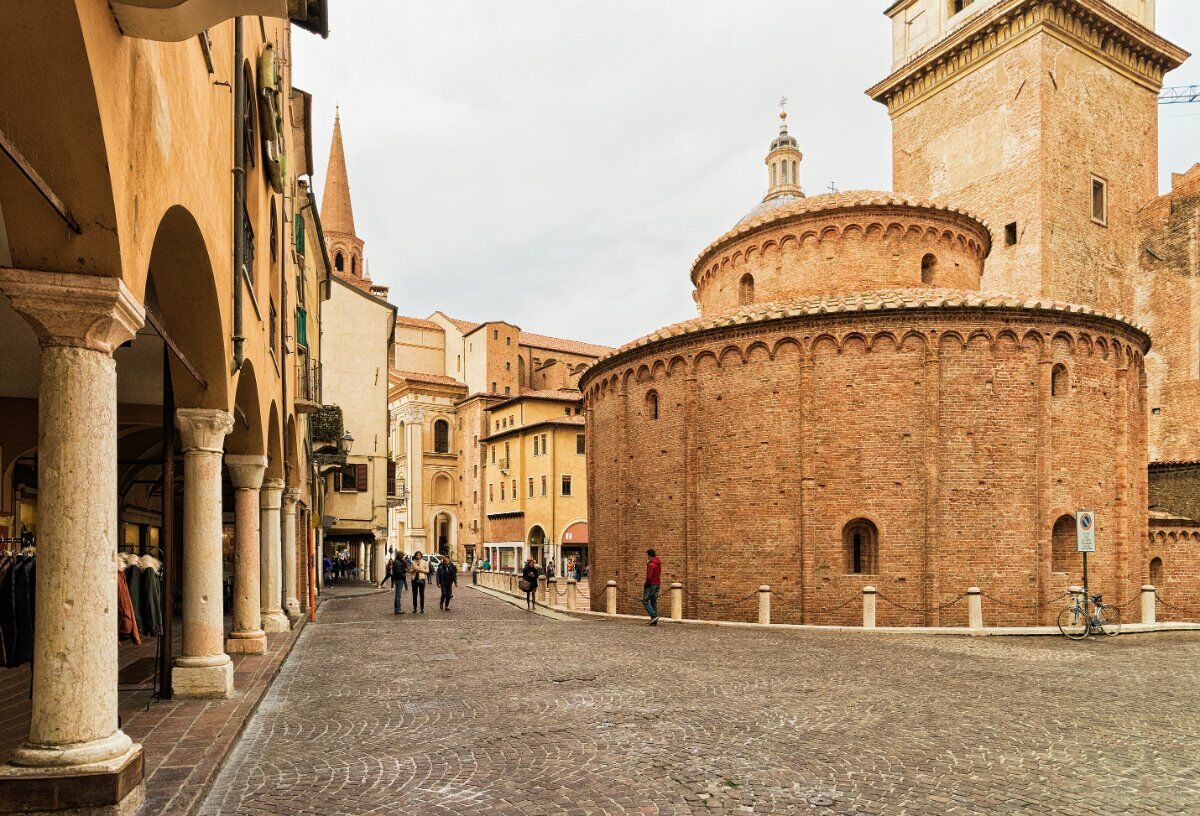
(1085, 531)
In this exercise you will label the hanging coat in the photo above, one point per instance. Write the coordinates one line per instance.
(8, 625)
(126, 621)
(150, 617)
(23, 600)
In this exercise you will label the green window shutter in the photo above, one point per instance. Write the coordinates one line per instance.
(301, 327)
(299, 235)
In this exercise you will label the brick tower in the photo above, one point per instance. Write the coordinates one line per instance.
(1040, 116)
(337, 219)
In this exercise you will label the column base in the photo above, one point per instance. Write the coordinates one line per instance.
(202, 677)
(113, 787)
(246, 642)
(276, 622)
(292, 608)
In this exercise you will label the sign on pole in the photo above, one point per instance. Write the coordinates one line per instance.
(1085, 531)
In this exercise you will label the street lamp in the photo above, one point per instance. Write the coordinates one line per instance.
(345, 443)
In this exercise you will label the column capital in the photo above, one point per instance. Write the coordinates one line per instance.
(80, 311)
(203, 429)
(246, 470)
(291, 496)
(272, 494)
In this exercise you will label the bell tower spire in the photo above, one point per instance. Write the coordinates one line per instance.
(337, 218)
(783, 161)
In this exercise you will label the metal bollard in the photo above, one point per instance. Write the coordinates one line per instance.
(764, 605)
(1148, 597)
(676, 601)
(572, 591)
(974, 608)
(868, 607)
(610, 597)
(552, 592)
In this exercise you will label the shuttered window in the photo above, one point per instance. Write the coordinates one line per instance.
(391, 478)
(301, 327)
(353, 479)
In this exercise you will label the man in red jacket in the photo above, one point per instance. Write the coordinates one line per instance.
(650, 590)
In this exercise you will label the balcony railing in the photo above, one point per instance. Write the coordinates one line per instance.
(308, 385)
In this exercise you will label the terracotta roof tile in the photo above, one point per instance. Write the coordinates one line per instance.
(566, 346)
(418, 376)
(888, 299)
(417, 323)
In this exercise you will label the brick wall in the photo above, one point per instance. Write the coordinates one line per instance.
(1175, 544)
(1175, 489)
(938, 428)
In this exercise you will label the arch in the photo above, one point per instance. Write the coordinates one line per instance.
(536, 537)
(652, 404)
(746, 290)
(860, 543)
(1156, 571)
(275, 460)
(441, 436)
(354, 265)
(441, 489)
(180, 288)
(1060, 383)
(443, 534)
(249, 436)
(1063, 557)
(339, 261)
(928, 267)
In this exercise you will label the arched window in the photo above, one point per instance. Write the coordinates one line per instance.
(928, 266)
(774, 170)
(1156, 572)
(441, 436)
(795, 176)
(1063, 557)
(746, 289)
(860, 540)
(783, 167)
(339, 263)
(652, 404)
(1059, 383)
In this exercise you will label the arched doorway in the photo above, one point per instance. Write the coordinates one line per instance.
(536, 544)
(445, 536)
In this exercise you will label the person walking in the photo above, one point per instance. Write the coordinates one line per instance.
(529, 583)
(387, 571)
(420, 573)
(447, 579)
(651, 587)
(399, 573)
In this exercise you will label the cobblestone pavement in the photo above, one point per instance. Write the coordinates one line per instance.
(490, 710)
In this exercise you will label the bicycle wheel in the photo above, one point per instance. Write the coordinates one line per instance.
(1073, 623)
(1110, 619)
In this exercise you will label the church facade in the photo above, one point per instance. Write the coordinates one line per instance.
(917, 390)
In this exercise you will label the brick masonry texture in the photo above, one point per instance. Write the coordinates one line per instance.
(939, 428)
(490, 711)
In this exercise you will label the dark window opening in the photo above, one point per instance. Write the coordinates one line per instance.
(1010, 233)
(1059, 383)
(1099, 201)
(928, 265)
(441, 436)
(652, 405)
(339, 263)
(861, 541)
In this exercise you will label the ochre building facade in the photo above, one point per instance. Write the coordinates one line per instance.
(915, 391)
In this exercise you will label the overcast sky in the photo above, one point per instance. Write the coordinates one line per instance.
(560, 163)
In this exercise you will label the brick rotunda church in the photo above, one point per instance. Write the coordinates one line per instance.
(879, 389)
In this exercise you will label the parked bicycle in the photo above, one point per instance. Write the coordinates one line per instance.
(1076, 622)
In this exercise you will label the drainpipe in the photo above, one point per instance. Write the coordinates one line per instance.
(239, 190)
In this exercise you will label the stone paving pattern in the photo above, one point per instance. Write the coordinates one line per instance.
(491, 710)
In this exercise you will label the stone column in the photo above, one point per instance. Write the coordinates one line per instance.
(79, 321)
(379, 558)
(291, 601)
(203, 669)
(273, 619)
(247, 636)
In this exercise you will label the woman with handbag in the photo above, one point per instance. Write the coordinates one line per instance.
(420, 572)
(529, 583)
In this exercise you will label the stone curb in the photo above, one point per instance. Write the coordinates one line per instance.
(519, 602)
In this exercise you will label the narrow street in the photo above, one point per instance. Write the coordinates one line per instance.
(490, 710)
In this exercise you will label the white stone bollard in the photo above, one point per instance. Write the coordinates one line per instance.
(572, 591)
(676, 601)
(610, 597)
(974, 608)
(552, 592)
(764, 605)
(1148, 610)
(868, 607)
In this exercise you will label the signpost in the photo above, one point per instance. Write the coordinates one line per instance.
(1085, 542)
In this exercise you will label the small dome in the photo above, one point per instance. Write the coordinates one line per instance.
(785, 139)
(771, 204)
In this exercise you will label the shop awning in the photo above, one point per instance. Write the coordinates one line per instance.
(577, 533)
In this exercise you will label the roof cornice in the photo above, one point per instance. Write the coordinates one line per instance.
(1093, 26)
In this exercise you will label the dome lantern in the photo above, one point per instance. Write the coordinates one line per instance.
(783, 161)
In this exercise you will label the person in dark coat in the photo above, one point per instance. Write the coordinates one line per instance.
(529, 578)
(447, 579)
